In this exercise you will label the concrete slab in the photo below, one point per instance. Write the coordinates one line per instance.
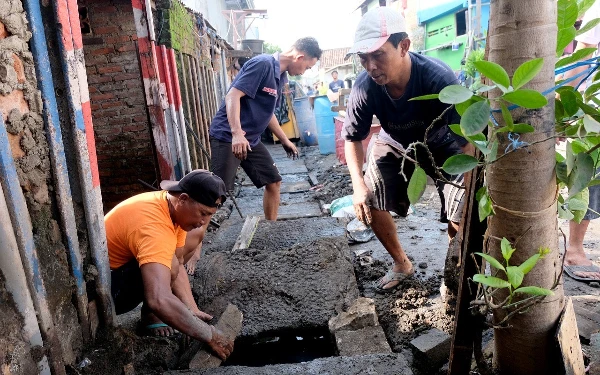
(297, 288)
(291, 206)
(379, 364)
(286, 187)
(291, 166)
(368, 340)
(284, 234)
(360, 315)
(432, 348)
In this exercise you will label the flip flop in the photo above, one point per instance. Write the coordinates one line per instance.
(571, 269)
(389, 277)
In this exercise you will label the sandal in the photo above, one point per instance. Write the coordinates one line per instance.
(389, 277)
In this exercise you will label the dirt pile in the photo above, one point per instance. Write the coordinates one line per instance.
(336, 183)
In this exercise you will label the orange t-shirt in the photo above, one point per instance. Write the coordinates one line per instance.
(141, 228)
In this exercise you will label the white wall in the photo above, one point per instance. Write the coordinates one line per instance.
(212, 11)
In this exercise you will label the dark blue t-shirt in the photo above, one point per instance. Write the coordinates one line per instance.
(336, 85)
(405, 121)
(261, 80)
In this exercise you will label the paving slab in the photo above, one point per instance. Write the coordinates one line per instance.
(372, 364)
(368, 340)
(291, 167)
(291, 206)
(297, 288)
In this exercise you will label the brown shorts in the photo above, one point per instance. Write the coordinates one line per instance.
(389, 188)
(259, 164)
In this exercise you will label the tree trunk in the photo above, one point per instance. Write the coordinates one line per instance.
(523, 187)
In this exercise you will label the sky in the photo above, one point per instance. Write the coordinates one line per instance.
(331, 22)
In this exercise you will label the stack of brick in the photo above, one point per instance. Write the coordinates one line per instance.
(122, 130)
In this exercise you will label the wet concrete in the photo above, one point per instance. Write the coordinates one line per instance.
(284, 234)
(283, 289)
(291, 206)
(380, 364)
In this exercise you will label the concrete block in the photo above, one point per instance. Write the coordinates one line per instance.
(432, 348)
(360, 315)
(368, 340)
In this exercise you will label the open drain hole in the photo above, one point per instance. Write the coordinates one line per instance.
(283, 347)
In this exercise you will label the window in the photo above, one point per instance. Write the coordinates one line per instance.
(461, 23)
(84, 20)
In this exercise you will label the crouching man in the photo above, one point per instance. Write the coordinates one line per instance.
(146, 235)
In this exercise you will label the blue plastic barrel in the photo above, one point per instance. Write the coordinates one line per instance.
(305, 119)
(324, 118)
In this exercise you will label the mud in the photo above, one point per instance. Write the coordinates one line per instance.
(16, 356)
(380, 364)
(297, 288)
(283, 234)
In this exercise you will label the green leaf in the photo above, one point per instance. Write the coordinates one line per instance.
(494, 282)
(569, 101)
(528, 265)
(485, 206)
(455, 94)
(425, 97)
(584, 196)
(462, 107)
(416, 185)
(508, 120)
(588, 26)
(583, 6)
(456, 129)
(523, 128)
(559, 158)
(559, 110)
(577, 204)
(535, 290)
(591, 125)
(592, 90)
(506, 248)
(491, 260)
(526, 72)
(493, 152)
(514, 275)
(526, 98)
(574, 57)
(458, 164)
(494, 72)
(565, 36)
(475, 118)
(561, 172)
(566, 13)
(565, 214)
(582, 173)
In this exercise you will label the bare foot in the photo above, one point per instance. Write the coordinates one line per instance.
(190, 266)
(153, 326)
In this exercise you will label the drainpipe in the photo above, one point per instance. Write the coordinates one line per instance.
(78, 97)
(59, 165)
(16, 283)
(23, 232)
(187, 163)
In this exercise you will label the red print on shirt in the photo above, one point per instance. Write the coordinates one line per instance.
(270, 91)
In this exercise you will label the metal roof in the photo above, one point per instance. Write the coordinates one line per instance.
(430, 14)
(332, 58)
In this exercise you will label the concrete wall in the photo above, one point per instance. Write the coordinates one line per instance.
(121, 125)
(21, 108)
(213, 11)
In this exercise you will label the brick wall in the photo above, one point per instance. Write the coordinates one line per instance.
(121, 126)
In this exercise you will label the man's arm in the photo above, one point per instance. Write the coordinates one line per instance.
(164, 304)
(288, 146)
(573, 72)
(239, 144)
(355, 155)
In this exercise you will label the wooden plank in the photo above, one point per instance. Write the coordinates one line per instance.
(245, 238)
(471, 231)
(199, 121)
(201, 108)
(313, 178)
(568, 341)
(230, 323)
(187, 111)
(236, 53)
(344, 91)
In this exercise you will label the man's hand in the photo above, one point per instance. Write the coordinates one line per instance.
(220, 344)
(290, 149)
(240, 145)
(361, 199)
(202, 315)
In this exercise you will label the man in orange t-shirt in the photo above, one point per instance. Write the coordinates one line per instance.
(146, 236)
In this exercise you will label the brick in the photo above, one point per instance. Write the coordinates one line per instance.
(360, 314)
(91, 70)
(108, 130)
(127, 57)
(126, 76)
(95, 60)
(117, 39)
(112, 104)
(368, 340)
(106, 30)
(127, 47)
(94, 107)
(90, 41)
(432, 348)
(135, 127)
(103, 51)
(105, 113)
(110, 69)
(132, 111)
(133, 83)
(106, 96)
(19, 68)
(105, 9)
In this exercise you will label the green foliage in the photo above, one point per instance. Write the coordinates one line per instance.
(472, 58)
(271, 48)
(416, 185)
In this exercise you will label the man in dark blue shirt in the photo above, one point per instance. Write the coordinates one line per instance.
(336, 84)
(248, 109)
(392, 76)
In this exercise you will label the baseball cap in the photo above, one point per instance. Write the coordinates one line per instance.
(374, 29)
(203, 186)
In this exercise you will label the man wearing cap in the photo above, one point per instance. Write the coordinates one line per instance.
(392, 76)
(248, 109)
(145, 238)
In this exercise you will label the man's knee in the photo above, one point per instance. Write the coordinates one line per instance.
(273, 187)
